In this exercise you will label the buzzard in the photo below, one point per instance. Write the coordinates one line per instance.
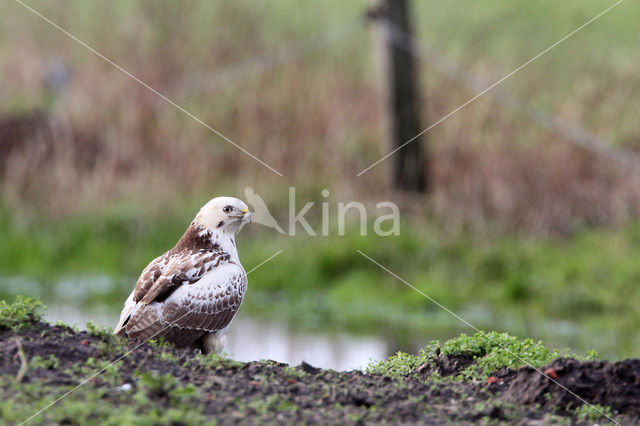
(190, 294)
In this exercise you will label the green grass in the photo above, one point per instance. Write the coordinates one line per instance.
(22, 400)
(85, 244)
(592, 413)
(212, 361)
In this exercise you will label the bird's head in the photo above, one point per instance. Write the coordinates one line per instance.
(223, 214)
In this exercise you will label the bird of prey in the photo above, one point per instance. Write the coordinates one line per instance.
(190, 294)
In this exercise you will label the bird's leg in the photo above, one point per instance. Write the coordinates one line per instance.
(211, 343)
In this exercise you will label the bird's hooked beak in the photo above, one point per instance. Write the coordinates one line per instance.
(246, 216)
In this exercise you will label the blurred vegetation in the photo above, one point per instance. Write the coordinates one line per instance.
(260, 74)
(545, 288)
(523, 232)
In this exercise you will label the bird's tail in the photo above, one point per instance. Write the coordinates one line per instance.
(129, 306)
(119, 330)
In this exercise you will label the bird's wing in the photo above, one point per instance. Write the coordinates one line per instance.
(149, 276)
(172, 270)
(164, 275)
(207, 305)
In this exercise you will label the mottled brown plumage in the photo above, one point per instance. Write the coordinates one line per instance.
(190, 294)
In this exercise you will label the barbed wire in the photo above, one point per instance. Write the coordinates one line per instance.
(451, 70)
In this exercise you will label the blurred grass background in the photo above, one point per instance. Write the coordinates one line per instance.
(522, 232)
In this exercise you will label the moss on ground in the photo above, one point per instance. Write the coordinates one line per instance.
(489, 351)
(23, 312)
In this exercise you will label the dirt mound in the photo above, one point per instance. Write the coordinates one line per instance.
(195, 389)
(613, 384)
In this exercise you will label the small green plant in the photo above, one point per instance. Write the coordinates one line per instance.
(111, 347)
(293, 373)
(212, 361)
(108, 344)
(592, 412)
(168, 356)
(21, 313)
(153, 384)
(271, 403)
(401, 364)
(103, 333)
(268, 362)
(186, 392)
(108, 372)
(159, 343)
(355, 417)
(286, 405)
(591, 355)
(50, 363)
(157, 384)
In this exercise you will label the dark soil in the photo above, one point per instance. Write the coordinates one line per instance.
(616, 385)
(271, 392)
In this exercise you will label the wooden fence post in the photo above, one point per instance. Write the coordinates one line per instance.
(401, 96)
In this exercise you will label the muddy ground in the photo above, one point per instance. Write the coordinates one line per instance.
(164, 385)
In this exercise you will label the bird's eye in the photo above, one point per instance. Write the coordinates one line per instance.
(227, 209)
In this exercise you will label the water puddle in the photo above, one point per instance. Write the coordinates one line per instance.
(251, 339)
